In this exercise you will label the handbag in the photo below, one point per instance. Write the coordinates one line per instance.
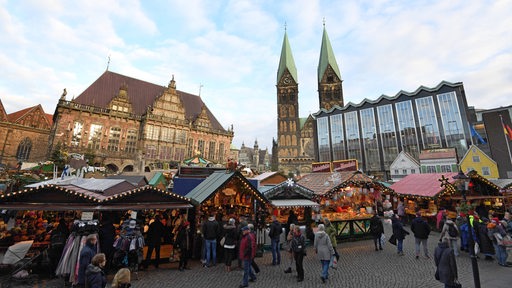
(382, 239)
(222, 241)
(334, 262)
(392, 240)
(503, 240)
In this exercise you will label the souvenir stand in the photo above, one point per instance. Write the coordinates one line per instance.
(77, 196)
(347, 199)
(421, 193)
(230, 194)
(481, 193)
(286, 197)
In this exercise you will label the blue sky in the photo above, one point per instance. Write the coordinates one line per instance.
(232, 49)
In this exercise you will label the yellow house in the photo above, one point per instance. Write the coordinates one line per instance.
(476, 159)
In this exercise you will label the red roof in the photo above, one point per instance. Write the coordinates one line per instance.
(427, 185)
(142, 94)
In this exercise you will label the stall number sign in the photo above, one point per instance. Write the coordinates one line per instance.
(87, 216)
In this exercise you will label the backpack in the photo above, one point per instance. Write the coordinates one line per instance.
(452, 231)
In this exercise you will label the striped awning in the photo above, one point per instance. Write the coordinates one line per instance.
(293, 203)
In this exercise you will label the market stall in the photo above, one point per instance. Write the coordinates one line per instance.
(86, 200)
(347, 199)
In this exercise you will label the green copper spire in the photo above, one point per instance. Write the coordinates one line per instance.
(286, 61)
(327, 58)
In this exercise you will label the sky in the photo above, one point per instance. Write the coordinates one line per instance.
(228, 51)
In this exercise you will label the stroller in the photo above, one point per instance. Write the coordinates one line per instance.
(19, 262)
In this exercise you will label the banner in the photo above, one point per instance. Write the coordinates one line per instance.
(321, 167)
(344, 165)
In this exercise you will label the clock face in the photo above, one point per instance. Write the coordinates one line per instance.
(286, 80)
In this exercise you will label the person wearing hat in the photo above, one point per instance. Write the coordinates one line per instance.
(183, 243)
(247, 254)
(85, 258)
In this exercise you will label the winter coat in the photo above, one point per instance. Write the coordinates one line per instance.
(155, 232)
(484, 240)
(331, 231)
(398, 229)
(446, 264)
(85, 259)
(275, 230)
(211, 229)
(420, 228)
(497, 229)
(183, 238)
(445, 231)
(376, 226)
(400, 209)
(323, 246)
(230, 235)
(248, 247)
(297, 243)
(95, 277)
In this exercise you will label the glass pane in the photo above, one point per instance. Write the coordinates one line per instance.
(407, 128)
(370, 145)
(387, 134)
(338, 140)
(428, 123)
(353, 138)
(323, 139)
(452, 122)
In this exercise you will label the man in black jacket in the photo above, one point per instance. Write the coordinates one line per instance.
(275, 234)
(154, 240)
(211, 231)
(421, 230)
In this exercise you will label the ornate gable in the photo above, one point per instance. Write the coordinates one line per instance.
(121, 103)
(33, 117)
(169, 104)
(202, 120)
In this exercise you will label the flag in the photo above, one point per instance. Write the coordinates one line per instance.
(507, 131)
(474, 133)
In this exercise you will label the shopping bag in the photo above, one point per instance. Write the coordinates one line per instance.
(334, 262)
(392, 240)
(477, 248)
(382, 240)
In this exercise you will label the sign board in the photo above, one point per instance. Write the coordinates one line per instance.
(87, 216)
(321, 167)
(344, 165)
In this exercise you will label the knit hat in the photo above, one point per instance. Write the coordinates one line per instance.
(462, 214)
(245, 228)
(495, 220)
(231, 221)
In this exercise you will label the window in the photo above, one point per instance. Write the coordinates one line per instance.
(77, 134)
(413, 171)
(131, 141)
(211, 150)
(396, 171)
(476, 158)
(486, 171)
(94, 137)
(404, 171)
(431, 169)
(446, 168)
(113, 139)
(24, 148)
(469, 169)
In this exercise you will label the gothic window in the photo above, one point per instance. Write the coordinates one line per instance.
(24, 148)
(94, 137)
(211, 150)
(77, 134)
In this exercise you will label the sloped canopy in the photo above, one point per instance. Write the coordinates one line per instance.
(52, 197)
(217, 181)
(422, 185)
(290, 194)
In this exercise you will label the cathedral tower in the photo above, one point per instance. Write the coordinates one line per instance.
(330, 90)
(288, 124)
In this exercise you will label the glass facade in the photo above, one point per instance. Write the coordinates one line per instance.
(337, 137)
(407, 128)
(428, 123)
(387, 134)
(369, 135)
(452, 122)
(323, 139)
(353, 138)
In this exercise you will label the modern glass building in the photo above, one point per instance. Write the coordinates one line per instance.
(374, 132)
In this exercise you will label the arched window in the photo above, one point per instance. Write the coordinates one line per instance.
(24, 150)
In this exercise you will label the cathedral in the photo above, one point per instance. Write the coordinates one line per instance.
(294, 150)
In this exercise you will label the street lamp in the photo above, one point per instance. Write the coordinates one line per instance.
(463, 182)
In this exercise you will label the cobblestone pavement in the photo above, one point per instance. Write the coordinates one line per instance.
(359, 266)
